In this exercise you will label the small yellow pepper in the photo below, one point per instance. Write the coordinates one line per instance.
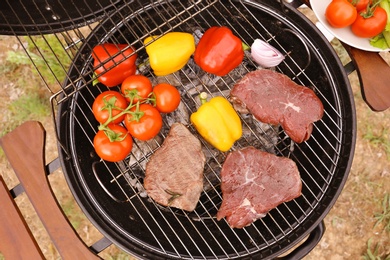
(217, 122)
(170, 52)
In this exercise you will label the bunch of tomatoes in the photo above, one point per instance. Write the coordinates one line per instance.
(366, 18)
(135, 111)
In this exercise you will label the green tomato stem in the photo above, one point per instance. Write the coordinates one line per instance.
(125, 111)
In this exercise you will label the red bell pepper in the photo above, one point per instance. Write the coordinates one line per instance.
(112, 65)
(219, 51)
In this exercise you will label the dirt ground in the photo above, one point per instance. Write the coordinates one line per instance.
(350, 225)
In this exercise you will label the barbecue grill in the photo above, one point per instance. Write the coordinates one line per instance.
(112, 195)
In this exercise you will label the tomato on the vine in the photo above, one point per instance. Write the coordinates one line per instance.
(136, 87)
(107, 105)
(360, 5)
(370, 23)
(340, 13)
(144, 122)
(167, 97)
(113, 144)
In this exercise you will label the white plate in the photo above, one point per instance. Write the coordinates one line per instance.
(343, 34)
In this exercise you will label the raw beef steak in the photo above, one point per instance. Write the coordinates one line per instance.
(174, 174)
(274, 98)
(253, 183)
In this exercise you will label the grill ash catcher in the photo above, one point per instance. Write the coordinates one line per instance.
(112, 195)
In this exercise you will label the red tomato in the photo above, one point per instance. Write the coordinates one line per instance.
(340, 13)
(113, 144)
(372, 25)
(144, 124)
(360, 5)
(109, 102)
(167, 97)
(136, 88)
(113, 62)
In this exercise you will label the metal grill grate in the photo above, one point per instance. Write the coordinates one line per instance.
(115, 192)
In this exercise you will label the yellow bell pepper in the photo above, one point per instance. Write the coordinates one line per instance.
(217, 122)
(170, 52)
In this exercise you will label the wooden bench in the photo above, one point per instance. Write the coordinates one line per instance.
(24, 148)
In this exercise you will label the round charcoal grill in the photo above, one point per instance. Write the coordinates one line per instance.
(111, 194)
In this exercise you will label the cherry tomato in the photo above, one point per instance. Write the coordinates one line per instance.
(144, 124)
(109, 102)
(136, 87)
(113, 144)
(360, 5)
(167, 97)
(340, 13)
(372, 25)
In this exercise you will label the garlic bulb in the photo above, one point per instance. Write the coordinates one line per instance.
(265, 55)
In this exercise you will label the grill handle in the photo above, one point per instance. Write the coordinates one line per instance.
(305, 248)
(374, 77)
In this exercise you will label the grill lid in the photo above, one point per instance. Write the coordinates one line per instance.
(24, 17)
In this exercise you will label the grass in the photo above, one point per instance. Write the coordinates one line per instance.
(383, 217)
(379, 139)
(336, 221)
(377, 246)
(28, 107)
(44, 54)
(72, 214)
(377, 251)
(119, 256)
(373, 252)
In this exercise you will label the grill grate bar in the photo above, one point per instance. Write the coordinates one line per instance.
(189, 235)
(325, 153)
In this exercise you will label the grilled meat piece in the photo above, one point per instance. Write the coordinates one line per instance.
(274, 98)
(174, 173)
(253, 183)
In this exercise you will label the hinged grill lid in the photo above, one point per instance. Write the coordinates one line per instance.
(27, 17)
